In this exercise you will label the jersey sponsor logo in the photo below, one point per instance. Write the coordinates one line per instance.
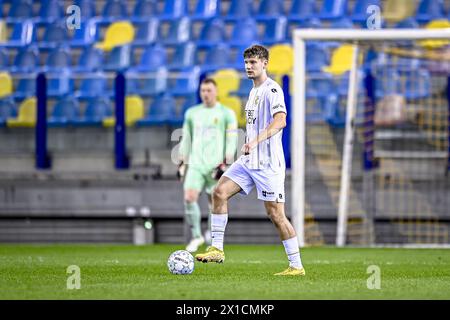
(273, 90)
(267, 193)
(277, 106)
(251, 119)
(280, 196)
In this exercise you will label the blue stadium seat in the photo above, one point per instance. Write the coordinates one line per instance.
(245, 33)
(179, 31)
(313, 23)
(428, 10)
(239, 9)
(317, 57)
(343, 83)
(7, 109)
(269, 9)
(95, 85)
(26, 60)
(186, 82)
(54, 35)
(58, 59)
(21, 34)
(387, 82)
(91, 59)
(144, 9)
(87, 9)
(343, 23)
(178, 119)
(174, 9)
(50, 11)
(212, 33)
(160, 111)
(59, 84)
(244, 88)
(408, 23)
(274, 30)
(114, 10)
(118, 59)
(184, 56)
(4, 59)
(333, 9)
(301, 10)
(64, 112)
(145, 84)
(146, 32)
(359, 13)
(20, 10)
(417, 84)
(319, 85)
(153, 57)
(97, 109)
(216, 57)
(86, 35)
(206, 9)
(26, 87)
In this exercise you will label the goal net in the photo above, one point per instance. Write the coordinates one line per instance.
(370, 136)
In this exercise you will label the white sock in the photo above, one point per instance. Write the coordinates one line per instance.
(218, 224)
(293, 252)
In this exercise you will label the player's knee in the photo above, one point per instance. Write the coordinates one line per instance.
(219, 194)
(190, 198)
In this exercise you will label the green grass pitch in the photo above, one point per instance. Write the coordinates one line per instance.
(140, 272)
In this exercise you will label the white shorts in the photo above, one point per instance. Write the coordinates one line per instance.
(269, 183)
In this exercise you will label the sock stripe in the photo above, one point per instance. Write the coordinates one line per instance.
(290, 254)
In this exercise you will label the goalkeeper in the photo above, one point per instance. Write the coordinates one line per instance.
(209, 142)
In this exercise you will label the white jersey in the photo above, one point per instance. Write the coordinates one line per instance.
(263, 102)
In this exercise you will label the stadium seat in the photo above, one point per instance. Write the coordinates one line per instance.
(343, 23)
(217, 57)
(93, 86)
(178, 31)
(239, 9)
(434, 44)
(146, 32)
(417, 83)
(174, 9)
(333, 9)
(86, 35)
(134, 111)
(58, 59)
(178, 119)
(274, 30)
(91, 59)
(319, 85)
(147, 84)
(212, 33)
(269, 9)
(313, 23)
(20, 10)
(59, 84)
(341, 60)
(160, 111)
(4, 59)
(65, 111)
(114, 10)
(153, 57)
(97, 109)
(227, 81)
(117, 34)
(118, 59)
(21, 34)
(144, 9)
(281, 59)
(186, 82)
(245, 33)
(235, 104)
(398, 10)
(26, 115)
(317, 57)
(206, 9)
(54, 35)
(408, 23)
(87, 9)
(26, 60)
(343, 83)
(359, 13)
(3, 31)
(6, 84)
(387, 82)
(428, 10)
(7, 110)
(50, 11)
(244, 88)
(301, 10)
(184, 56)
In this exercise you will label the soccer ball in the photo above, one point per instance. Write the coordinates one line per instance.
(181, 262)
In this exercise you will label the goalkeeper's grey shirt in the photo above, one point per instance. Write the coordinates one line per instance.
(263, 103)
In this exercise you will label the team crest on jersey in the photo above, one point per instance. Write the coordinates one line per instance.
(256, 101)
(216, 121)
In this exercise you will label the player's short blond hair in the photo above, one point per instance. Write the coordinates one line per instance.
(257, 51)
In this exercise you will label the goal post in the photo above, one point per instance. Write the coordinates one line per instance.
(359, 40)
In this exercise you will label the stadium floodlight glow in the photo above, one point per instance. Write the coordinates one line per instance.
(298, 131)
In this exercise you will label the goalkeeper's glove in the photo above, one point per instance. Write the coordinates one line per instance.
(181, 171)
(219, 171)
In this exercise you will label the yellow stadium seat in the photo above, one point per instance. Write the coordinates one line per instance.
(341, 60)
(26, 116)
(235, 104)
(134, 111)
(281, 59)
(117, 34)
(6, 84)
(3, 31)
(434, 44)
(398, 10)
(227, 80)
